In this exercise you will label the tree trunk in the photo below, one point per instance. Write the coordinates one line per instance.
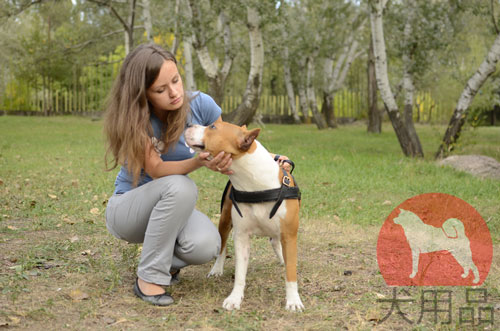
(311, 95)
(216, 77)
(148, 22)
(408, 86)
(327, 108)
(374, 114)
(459, 116)
(383, 78)
(334, 79)
(244, 113)
(176, 42)
(288, 83)
(188, 66)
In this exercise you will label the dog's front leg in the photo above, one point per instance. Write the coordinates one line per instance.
(242, 254)
(289, 231)
(415, 254)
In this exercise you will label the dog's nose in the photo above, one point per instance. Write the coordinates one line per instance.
(189, 125)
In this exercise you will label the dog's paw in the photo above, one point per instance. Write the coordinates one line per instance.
(215, 272)
(232, 302)
(294, 305)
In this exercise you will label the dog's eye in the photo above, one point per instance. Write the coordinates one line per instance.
(212, 127)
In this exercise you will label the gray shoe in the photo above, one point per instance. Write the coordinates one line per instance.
(158, 300)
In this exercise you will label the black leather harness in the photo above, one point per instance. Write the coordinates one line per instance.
(278, 194)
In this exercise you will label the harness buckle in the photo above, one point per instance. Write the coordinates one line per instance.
(286, 181)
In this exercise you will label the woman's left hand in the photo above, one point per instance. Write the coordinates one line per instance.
(220, 163)
(285, 165)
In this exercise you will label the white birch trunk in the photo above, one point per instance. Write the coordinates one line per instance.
(148, 22)
(311, 95)
(408, 85)
(485, 70)
(188, 66)
(382, 76)
(288, 80)
(244, 113)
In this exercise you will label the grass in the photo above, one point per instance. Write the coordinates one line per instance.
(61, 269)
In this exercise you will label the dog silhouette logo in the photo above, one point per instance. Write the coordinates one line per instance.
(434, 239)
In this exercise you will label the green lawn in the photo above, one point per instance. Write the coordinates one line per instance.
(54, 244)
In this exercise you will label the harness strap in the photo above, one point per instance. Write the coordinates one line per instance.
(279, 194)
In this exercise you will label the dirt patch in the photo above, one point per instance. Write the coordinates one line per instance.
(90, 286)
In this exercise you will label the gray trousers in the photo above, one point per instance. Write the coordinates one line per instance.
(161, 214)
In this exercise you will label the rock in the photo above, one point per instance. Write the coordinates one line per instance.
(477, 165)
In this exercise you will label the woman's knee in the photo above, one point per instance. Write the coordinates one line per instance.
(179, 187)
(199, 247)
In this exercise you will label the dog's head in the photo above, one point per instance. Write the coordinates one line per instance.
(405, 217)
(221, 137)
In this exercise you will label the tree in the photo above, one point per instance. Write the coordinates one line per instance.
(216, 75)
(245, 111)
(408, 146)
(485, 70)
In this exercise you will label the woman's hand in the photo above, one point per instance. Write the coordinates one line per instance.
(285, 165)
(219, 163)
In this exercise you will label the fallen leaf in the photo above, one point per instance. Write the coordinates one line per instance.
(52, 196)
(78, 295)
(86, 252)
(73, 239)
(1, 182)
(75, 182)
(336, 218)
(68, 221)
(386, 203)
(380, 296)
(12, 227)
(94, 211)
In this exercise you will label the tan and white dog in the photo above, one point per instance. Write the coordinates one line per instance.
(254, 169)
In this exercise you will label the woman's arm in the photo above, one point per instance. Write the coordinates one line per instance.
(156, 167)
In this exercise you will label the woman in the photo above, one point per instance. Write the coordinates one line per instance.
(154, 201)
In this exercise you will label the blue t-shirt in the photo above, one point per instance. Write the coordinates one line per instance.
(204, 111)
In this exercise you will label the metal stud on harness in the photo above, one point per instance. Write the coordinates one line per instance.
(279, 194)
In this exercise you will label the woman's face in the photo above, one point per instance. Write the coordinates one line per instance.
(167, 92)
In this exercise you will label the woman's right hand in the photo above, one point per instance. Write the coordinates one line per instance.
(220, 163)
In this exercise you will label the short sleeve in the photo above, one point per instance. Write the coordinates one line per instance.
(204, 110)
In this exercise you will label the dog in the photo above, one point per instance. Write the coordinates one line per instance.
(254, 170)
(424, 238)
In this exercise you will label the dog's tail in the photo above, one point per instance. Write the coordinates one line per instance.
(453, 228)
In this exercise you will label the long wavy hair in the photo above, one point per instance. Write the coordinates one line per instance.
(127, 126)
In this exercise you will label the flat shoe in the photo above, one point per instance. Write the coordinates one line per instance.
(158, 300)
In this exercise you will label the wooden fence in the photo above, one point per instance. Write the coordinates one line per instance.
(89, 101)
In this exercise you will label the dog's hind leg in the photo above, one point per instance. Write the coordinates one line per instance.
(225, 226)
(278, 250)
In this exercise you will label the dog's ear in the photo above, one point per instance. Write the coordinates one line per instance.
(248, 138)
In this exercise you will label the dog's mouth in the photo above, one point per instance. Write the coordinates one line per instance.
(198, 147)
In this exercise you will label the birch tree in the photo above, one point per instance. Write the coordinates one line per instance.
(334, 77)
(374, 114)
(376, 12)
(216, 74)
(485, 70)
(245, 111)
